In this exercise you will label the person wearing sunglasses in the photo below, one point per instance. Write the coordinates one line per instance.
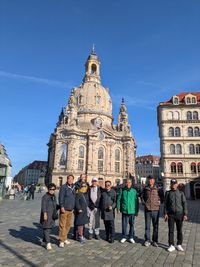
(81, 211)
(48, 214)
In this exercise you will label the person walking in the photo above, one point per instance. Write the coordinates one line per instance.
(107, 206)
(81, 211)
(31, 191)
(67, 204)
(128, 204)
(48, 214)
(175, 212)
(151, 198)
(94, 202)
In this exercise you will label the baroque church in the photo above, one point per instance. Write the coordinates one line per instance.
(86, 140)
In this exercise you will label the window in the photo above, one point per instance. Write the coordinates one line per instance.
(198, 167)
(63, 157)
(81, 158)
(193, 100)
(193, 167)
(175, 101)
(171, 131)
(177, 131)
(173, 167)
(93, 69)
(100, 159)
(195, 115)
(60, 181)
(190, 131)
(178, 149)
(176, 115)
(189, 115)
(172, 149)
(196, 131)
(98, 99)
(170, 115)
(198, 149)
(188, 100)
(191, 149)
(180, 167)
(117, 160)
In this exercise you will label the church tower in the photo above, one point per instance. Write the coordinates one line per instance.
(85, 139)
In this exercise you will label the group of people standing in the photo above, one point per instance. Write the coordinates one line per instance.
(89, 203)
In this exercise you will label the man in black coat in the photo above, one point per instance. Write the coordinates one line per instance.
(107, 205)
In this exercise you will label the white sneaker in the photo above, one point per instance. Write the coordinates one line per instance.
(171, 248)
(123, 240)
(48, 247)
(147, 243)
(131, 240)
(67, 242)
(62, 244)
(179, 248)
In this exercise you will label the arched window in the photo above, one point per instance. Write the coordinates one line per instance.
(178, 149)
(100, 159)
(193, 167)
(177, 131)
(81, 158)
(193, 100)
(190, 131)
(93, 69)
(180, 167)
(198, 167)
(63, 155)
(173, 167)
(170, 115)
(176, 115)
(171, 131)
(188, 100)
(195, 115)
(198, 149)
(172, 149)
(189, 115)
(98, 99)
(191, 149)
(60, 181)
(175, 102)
(117, 160)
(196, 131)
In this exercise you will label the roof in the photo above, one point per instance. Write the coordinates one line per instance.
(37, 165)
(181, 97)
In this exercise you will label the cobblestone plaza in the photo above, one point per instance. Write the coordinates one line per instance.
(20, 237)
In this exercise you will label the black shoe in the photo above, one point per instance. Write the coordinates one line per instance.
(111, 240)
(97, 237)
(155, 244)
(90, 237)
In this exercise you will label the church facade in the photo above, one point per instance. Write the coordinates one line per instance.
(85, 139)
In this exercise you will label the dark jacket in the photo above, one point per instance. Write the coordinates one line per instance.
(81, 203)
(67, 197)
(175, 203)
(127, 201)
(48, 205)
(78, 184)
(32, 188)
(152, 197)
(108, 198)
(92, 205)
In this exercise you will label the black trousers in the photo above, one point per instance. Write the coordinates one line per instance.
(151, 216)
(46, 235)
(110, 229)
(178, 220)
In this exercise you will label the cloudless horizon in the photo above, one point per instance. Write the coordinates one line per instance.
(149, 51)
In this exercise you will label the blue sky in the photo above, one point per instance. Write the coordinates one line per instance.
(149, 51)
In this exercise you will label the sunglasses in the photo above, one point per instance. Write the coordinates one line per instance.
(52, 189)
(83, 186)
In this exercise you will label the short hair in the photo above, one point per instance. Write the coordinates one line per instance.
(108, 181)
(150, 177)
(129, 179)
(71, 176)
(51, 185)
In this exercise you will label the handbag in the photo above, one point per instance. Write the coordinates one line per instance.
(55, 215)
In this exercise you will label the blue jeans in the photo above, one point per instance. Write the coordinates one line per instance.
(128, 219)
(152, 215)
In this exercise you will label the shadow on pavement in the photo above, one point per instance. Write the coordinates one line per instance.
(17, 254)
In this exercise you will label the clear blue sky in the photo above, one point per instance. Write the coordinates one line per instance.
(149, 51)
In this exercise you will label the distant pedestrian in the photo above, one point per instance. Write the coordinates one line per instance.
(31, 191)
(67, 204)
(48, 214)
(176, 212)
(128, 204)
(151, 198)
(94, 202)
(81, 211)
(108, 205)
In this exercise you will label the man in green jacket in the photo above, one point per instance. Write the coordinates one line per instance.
(128, 205)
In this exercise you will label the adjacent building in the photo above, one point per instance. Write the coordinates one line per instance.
(86, 140)
(179, 131)
(33, 173)
(147, 165)
(5, 171)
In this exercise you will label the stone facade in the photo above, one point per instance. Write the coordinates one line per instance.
(85, 139)
(179, 130)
